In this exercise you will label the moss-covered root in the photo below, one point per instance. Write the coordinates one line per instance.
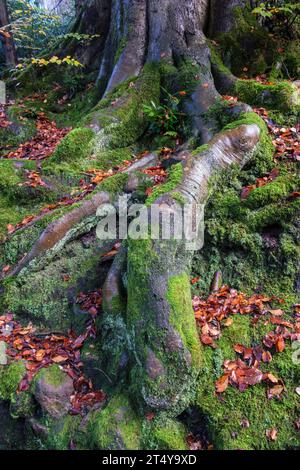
(58, 229)
(283, 96)
(165, 348)
(118, 427)
(160, 318)
(225, 81)
(112, 329)
(118, 119)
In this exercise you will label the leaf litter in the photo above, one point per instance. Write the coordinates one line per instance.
(39, 351)
(212, 316)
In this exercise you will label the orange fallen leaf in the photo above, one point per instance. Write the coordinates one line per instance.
(266, 357)
(222, 384)
(277, 312)
(280, 344)
(10, 228)
(40, 354)
(58, 359)
(275, 391)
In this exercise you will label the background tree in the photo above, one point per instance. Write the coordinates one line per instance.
(6, 36)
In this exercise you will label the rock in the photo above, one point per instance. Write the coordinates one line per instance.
(52, 390)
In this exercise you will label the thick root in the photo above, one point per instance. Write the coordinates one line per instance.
(160, 320)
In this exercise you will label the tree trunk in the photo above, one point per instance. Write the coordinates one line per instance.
(6, 37)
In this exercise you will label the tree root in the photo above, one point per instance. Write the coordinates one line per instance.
(159, 326)
(59, 231)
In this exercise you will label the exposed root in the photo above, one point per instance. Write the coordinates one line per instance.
(226, 148)
(113, 288)
(166, 348)
(58, 230)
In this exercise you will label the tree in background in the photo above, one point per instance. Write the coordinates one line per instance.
(6, 36)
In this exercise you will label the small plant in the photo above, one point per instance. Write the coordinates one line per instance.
(164, 118)
(41, 62)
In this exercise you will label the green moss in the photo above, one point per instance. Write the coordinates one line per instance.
(52, 375)
(120, 49)
(10, 377)
(123, 124)
(12, 179)
(179, 198)
(188, 73)
(112, 158)
(253, 241)
(182, 316)
(169, 75)
(282, 95)
(45, 298)
(138, 252)
(200, 149)
(284, 119)
(23, 128)
(169, 435)
(217, 60)
(174, 178)
(21, 241)
(22, 405)
(224, 419)
(272, 192)
(292, 59)
(116, 427)
(61, 433)
(9, 214)
(247, 43)
(246, 119)
(74, 147)
(114, 184)
(178, 371)
(277, 213)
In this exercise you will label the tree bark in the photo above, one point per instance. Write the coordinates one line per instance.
(222, 17)
(6, 36)
(92, 18)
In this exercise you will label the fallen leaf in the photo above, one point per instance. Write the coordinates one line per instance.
(222, 384)
(58, 359)
(272, 434)
(280, 344)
